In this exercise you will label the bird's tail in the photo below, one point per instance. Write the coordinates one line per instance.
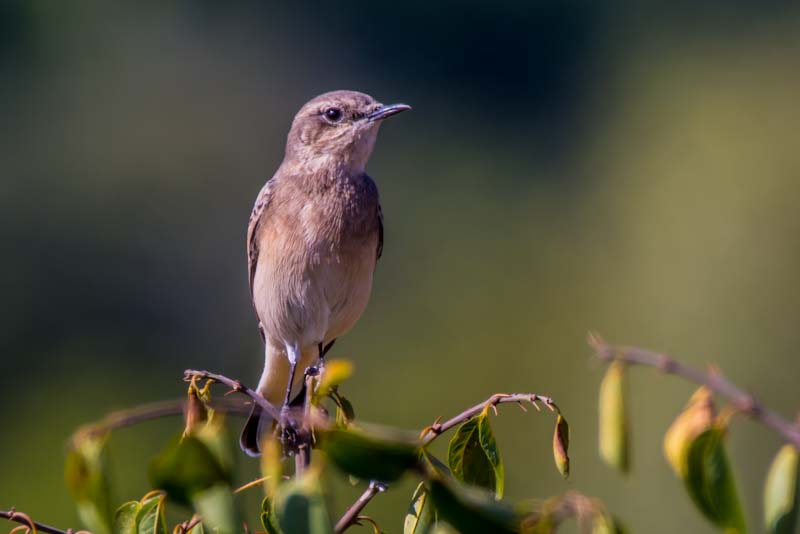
(259, 421)
(250, 440)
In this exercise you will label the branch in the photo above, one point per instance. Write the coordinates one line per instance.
(712, 379)
(156, 410)
(351, 515)
(189, 524)
(436, 429)
(235, 385)
(24, 519)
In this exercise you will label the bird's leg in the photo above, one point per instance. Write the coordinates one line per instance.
(293, 355)
(292, 369)
(316, 370)
(288, 434)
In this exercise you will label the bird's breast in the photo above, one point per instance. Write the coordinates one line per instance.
(316, 281)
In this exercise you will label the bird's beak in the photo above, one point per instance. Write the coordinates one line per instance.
(387, 110)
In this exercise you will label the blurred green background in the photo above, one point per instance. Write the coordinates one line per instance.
(567, 166)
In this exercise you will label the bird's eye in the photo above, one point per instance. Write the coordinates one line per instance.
(333, 114)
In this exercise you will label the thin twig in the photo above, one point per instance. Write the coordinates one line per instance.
(352, 513)
(146, 412)
(436, 429)
(24, 519)
(713, 379)
(235, 385)
(188, 525)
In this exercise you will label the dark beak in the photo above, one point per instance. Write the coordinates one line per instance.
(387, 110)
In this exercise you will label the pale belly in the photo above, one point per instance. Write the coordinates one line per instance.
(315, 298)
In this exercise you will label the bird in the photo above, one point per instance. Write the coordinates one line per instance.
(313, 242)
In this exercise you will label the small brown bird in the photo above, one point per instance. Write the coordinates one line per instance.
(315, 235)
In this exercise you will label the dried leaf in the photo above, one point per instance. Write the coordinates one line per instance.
(561, 446)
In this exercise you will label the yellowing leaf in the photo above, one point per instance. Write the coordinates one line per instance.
(613, 418)
(271, 466)
(781, 492)
(605, 524)
(334, 373)
(696, 418)
(561, 446)
(421, 517)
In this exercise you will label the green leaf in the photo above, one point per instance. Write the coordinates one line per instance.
(473, 455)
(268, 517)
(373, 456)
(470, 510)
(215, 505)
(87, 480)
(345, 413)
(151, 517)
(561, 446)
(300, 506)
(434, 467)
(781, 492)
(214, 435)
(421, 517)
(185, 467)
(142, 517)
(613, 418)
(125, 518)
(347, 408)
(710, 483)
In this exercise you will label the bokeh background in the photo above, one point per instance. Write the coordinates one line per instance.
(567, 166)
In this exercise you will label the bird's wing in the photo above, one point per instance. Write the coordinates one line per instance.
(259, 209)
(380, 233)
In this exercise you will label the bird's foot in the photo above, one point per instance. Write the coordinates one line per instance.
(288, 431)
(314, 370)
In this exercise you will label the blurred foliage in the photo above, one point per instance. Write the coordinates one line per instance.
(566, 167)
(195, 469)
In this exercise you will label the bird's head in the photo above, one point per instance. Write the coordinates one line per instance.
(337, 129)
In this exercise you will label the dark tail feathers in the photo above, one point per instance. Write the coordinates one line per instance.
(250, 440)
(251, 436)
